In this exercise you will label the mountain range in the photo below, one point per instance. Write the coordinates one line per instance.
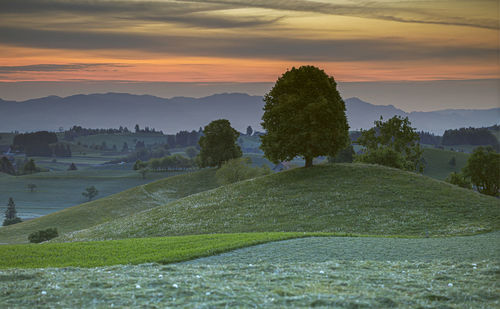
(112, 110)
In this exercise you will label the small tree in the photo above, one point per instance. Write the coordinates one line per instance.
(6, 166)
(453, 161)
(392, 143)
(218, 144)
(139, 165)
(249, 131)
(30, 167)
(483, 169)
(72, 167)
(304, 116)
(143, 172)
(90, 193)
(125, 147)
(191, 152)
(31, 186)
(11, 214)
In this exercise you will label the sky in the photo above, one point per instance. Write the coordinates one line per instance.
(196, 48)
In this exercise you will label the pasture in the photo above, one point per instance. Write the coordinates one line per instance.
(279, 274)
(58, 190)
(338, 198)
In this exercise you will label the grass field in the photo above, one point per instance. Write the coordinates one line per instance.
(348, 198)
(339, 281)
(130, 251)
(438, 162)
(323, 249)
(58, 190)
(98, 211)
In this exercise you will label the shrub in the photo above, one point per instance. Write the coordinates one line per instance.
(239, 169)
(43, 235)
(459, 180)
(385, 156)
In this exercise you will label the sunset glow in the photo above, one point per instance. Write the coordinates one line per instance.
(247, 41)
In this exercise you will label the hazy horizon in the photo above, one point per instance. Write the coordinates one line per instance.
(408, 96)
(415, 55)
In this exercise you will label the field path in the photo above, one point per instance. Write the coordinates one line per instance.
(323, 249)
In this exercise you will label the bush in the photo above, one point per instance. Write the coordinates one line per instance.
(385, 156)
(459, 180)
(239, 169)
(12, 221)
(43, 235)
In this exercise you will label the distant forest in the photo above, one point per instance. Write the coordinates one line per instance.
(44, 143)
(471, 136)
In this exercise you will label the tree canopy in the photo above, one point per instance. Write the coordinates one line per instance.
(483, 169)
(392, 143)
(90, 192)
(218, 143)
(304, 116)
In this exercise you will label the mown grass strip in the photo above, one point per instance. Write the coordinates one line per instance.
(133, 251)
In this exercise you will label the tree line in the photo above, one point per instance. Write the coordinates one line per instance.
(470, 136)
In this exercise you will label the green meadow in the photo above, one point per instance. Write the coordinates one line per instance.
(339, 272)
(343, 198)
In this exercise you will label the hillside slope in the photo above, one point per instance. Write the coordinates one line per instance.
(350, 198)
(114, 206)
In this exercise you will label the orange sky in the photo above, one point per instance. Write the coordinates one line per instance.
(247, 41)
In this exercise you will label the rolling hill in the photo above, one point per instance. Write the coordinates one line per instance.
(114, 206)
(342, 198)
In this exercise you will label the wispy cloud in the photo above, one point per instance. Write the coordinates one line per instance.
(399, 11)
(195, 12)
(56, 67)
(387, 49)
(188, 14)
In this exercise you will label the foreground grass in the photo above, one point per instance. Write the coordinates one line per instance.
(102, 210)
(322, 249)
(332, 284)
(130, 251)
(338, 272)
(342, 198)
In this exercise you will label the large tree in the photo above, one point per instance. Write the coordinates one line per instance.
(483, 169)
(304, 116)
(218, 143)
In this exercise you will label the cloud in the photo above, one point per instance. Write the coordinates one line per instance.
(387, 49)
(406, 12)
(194, 12)
(188, 14)
(55, 67)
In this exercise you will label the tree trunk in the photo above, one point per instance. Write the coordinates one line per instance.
(309, 161)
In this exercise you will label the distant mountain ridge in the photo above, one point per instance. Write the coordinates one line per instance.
(111, 110)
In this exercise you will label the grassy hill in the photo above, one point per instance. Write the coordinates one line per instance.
(438, 162)
(348, 198)
(114, 206)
